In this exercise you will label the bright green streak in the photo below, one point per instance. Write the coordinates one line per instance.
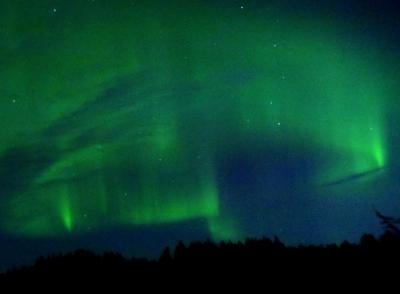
(66, 214)
(379, 154)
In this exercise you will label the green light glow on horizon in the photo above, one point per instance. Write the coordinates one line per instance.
(223, 229)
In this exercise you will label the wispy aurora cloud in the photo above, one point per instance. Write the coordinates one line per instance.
(158, 115)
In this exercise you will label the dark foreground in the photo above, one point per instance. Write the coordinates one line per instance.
(265, 260)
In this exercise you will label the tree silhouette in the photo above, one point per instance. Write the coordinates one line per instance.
(166, 257)
(206, 259)
(390, 224)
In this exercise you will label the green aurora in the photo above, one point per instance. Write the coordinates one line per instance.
(123, 113)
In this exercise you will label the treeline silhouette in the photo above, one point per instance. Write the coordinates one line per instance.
(272, 256)
(269, 258)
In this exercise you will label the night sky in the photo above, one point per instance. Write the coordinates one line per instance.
(130, 125)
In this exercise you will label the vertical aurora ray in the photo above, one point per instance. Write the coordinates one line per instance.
(66, 213)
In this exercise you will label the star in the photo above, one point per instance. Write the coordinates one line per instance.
(54, 10)
(241, 7)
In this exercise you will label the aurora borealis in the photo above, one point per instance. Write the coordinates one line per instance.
(129, 125)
